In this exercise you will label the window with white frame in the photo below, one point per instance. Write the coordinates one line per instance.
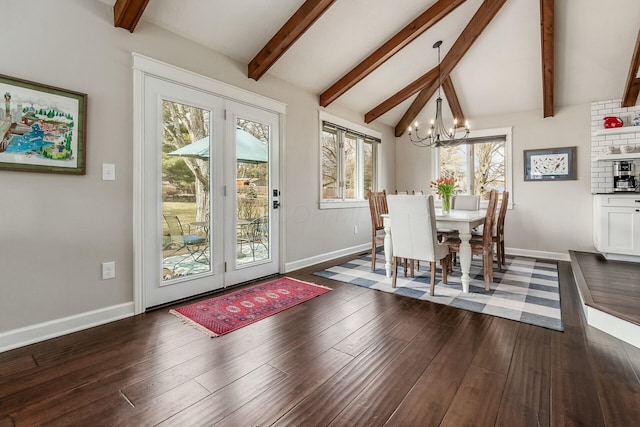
(481, 164)
(349, 162)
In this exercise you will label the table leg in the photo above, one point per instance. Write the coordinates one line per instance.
(388, 251)
(465, 260)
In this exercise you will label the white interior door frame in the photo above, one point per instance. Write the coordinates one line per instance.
(143, 66)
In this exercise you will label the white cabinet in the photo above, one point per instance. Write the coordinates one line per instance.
(617, 224)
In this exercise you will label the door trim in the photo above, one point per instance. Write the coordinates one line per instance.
(143, 66)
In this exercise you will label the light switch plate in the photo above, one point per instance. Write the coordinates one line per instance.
(108, 172)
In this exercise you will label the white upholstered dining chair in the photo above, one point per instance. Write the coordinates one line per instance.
(413, 226)
(465, 202)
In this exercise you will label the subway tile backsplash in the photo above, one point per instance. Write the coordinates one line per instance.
(602, 171)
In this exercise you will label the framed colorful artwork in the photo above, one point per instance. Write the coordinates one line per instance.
(42, 128)
(553, 164)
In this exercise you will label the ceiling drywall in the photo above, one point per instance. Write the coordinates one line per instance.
(500, 73)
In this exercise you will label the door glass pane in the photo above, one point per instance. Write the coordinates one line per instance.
(350, 166)
(252, 192)
(186, 222)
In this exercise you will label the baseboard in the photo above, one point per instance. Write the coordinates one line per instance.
(307, 262)
(538, 254)
(621, 257)
(55, 328)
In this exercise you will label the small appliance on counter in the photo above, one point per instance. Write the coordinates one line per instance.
(624, 176)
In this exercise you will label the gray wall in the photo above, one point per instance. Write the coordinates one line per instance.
(56, 230)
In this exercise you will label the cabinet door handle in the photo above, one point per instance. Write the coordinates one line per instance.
(637, 201)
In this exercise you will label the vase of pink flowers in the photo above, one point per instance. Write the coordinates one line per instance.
(444, 187)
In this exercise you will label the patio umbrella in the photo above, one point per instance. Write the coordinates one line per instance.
(249, 149)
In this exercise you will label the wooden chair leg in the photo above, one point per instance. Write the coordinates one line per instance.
(373, 255)
(445, 268)
(411, 265)
(488, 270)
(504, 259)
(395, 271)
(433, 278)
(499, 255)
(405, 261)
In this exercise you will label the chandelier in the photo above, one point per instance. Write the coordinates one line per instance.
(438, 135)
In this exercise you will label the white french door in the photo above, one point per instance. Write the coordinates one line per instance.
(210, 192)
(252, 206)
(183, 214)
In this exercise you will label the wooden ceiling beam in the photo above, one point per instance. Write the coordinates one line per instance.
(632, 88)
(286, 36)
(485, 13)
(403, 94)
(452, 100)
(127, 13)
(547, 42)
(396, 43)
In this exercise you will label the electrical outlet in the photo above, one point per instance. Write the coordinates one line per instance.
(355, 229)
(108, 172)
(108, 270)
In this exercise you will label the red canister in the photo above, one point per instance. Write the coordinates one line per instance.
(612, 122)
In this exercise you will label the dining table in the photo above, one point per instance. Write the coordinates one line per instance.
(462, 221)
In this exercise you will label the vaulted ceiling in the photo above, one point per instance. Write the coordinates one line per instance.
(376, 57)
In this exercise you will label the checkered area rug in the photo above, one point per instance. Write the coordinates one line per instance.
(526, 290)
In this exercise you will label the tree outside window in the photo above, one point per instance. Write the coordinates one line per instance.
(478, 167)
(348, 164)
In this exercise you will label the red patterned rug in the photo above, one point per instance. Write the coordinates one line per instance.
(226, 313)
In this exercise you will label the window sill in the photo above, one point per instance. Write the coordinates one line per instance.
(343, 204)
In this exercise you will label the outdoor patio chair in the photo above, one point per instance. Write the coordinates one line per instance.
(194, 244)
(255, 233)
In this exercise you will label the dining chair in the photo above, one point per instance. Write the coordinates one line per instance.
(194, 244)
(498, 235)
(255, 233)
(498, 231)
(465, 202)
(481, 245)
(414, 234)
(377, 207)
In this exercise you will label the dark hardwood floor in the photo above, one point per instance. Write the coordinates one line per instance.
(610, 286)
(350, 357)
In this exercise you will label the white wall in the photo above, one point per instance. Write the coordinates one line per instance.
(547, 216)
(56, 230)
